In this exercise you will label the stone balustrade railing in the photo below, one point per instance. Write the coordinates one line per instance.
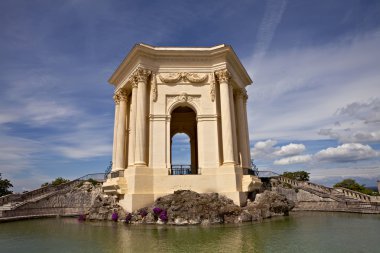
(354, 194)
(48, 189)
(292, 182)
(318, 187)
(9, 198)
(346, 192)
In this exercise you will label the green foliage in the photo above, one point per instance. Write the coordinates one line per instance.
(351, 184)
(297, 175)
(59, 180)
(5, 184)
(45, 184)
(55, 182)
(92, 181)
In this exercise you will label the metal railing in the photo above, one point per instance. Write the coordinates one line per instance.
(180, 169)
(263, 173)
(100, 177)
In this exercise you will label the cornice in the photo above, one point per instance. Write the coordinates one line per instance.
(139, 52)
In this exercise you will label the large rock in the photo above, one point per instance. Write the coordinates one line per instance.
(185, 207)
(103, 207)
(268, 204)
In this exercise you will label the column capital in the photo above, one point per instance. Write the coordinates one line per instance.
(141, 75)
(241, 93)
(121, 95)
(223, 75)
(116, 99)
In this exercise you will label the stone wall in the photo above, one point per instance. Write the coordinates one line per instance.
(71, 201)
(316, 201)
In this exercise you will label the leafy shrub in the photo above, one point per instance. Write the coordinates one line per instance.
(297, 175)
(59, 180)
(351, 184)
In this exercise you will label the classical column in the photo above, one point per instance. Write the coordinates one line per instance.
(117, 102)
(141, 76)
(223, 77)
(248, 147)
(240, 94)
(121, 131)
(132, 125)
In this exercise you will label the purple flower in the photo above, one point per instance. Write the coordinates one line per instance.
(128, 218)
(163, 216)
(82, 217)
(115, 216)
(143, 213)
(157, 210)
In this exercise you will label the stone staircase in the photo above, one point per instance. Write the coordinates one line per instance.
(331, 199)
(14, 201)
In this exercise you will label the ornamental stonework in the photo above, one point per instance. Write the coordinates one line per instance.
(182, 98)
(183, 76)
(223, 75)
(154, 87)
(122, 95)
(141, 75)
(241, 93)
(212, 87)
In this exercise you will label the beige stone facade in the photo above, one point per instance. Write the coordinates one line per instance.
(162, 91)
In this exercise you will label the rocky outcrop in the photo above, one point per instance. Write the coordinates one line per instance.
(103, 207)
(187, 207)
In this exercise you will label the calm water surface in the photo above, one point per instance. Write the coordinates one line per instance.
(301, 232)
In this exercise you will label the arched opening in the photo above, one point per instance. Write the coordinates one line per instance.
(183, 136)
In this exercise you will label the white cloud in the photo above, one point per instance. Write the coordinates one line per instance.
(348, 152)
(263, 149)
(272, 17)
(297, 92)
(356, 122)
(369, 111)
(293, 160)
(347, 135)
(290, 150)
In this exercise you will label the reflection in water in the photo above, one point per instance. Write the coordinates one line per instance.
(301, 232)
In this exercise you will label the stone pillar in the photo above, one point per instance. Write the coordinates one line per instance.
(223, 77)
(141, 76)
(193, 155)
(121, 131)
(241, 131)
(248, 148)
(132, 125)
(117, 102)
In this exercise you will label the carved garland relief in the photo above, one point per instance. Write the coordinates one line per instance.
(176, 77)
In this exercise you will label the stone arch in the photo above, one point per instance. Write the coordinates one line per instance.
(183, 120)
(183, 100)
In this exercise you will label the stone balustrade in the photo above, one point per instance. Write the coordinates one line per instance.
(354, 194)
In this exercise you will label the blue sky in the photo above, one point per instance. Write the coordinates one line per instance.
(314, 104)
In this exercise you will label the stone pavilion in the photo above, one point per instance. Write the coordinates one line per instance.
(162, 91)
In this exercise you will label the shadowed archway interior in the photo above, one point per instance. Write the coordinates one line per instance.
(183, 120)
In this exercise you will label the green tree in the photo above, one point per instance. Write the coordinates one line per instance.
(297, 175)
(45, 184)
(59, 180)
(351, 184)
(5, 184)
